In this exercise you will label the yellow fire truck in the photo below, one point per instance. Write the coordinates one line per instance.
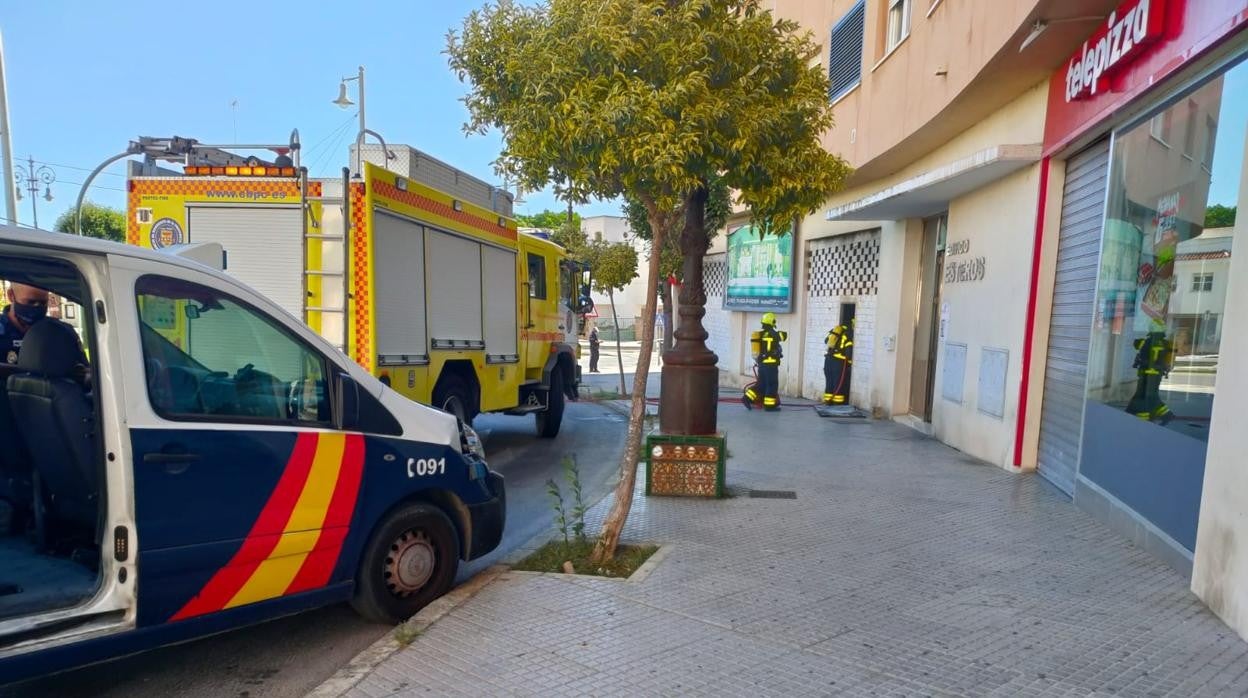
(416, 270)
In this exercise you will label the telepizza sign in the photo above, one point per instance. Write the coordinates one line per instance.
(1135, 24)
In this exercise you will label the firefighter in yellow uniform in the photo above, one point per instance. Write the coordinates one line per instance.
(768, 360)
(1153, 360)
(838, 362)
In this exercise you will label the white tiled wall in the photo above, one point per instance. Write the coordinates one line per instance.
(826, 291)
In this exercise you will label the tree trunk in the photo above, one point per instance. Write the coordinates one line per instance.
(668, 328)
(604, 549)
(690, 378)
(619, 352)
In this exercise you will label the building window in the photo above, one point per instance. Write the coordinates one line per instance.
(1202, 283)
(898, 22)
(845, 52)
(1211, 139)
(1190, 120)
(1159, 127)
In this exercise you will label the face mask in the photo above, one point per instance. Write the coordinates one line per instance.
(29, 314)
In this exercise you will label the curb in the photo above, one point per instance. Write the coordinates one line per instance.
(365, 662)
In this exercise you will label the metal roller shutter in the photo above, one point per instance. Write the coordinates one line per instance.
(1070, 330)
(399, 278)
(263, 246)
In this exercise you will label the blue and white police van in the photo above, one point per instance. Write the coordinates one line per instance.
(213, 464)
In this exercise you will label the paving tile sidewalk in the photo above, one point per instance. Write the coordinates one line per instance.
(902, 568)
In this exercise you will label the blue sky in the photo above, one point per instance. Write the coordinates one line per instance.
(1229, 151)
(86, 77)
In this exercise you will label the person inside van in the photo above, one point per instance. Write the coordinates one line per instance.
(27, 305)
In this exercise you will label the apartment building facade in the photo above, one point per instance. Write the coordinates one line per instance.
(1025, 248)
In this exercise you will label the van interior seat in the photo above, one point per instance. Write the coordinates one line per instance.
(56, 419)
(15, 465)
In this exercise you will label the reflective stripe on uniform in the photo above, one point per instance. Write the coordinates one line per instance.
(769, 401)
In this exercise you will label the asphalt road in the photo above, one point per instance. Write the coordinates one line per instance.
(290, 656)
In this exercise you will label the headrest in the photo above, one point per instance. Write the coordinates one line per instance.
(50, 348)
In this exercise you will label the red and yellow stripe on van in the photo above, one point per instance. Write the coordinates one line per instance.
(295, 542)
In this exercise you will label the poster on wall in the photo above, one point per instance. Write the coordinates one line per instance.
(760, 270)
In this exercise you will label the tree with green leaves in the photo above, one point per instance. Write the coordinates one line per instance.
(1220, 216)
(547, 220)
(613, 265)
(654, 100)
(98, 221)
(671, 263)
(563, 232)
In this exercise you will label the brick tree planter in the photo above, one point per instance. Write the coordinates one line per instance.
(685, 466)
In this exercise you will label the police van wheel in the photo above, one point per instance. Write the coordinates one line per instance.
(410, 561)
(548, 420)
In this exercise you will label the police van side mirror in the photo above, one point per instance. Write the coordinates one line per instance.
(346, 403)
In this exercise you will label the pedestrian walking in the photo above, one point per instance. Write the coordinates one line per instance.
(593, 349)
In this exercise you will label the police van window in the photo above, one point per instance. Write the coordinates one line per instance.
(537, 276)
(208, 356)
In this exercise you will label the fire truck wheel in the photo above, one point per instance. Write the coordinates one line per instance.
(453, 396)
(410, 561)
(548, 420)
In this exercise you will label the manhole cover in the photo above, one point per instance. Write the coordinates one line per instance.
(773, 494)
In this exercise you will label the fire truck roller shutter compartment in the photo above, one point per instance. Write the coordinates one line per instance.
(454, 291)
(399, 266)
(501, 311)
(263, 247)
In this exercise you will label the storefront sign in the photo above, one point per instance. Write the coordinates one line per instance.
(1132, 26)
(1088, 90)
(961, 270)
(760, 270)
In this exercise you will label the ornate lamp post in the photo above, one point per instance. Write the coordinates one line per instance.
(29, 178)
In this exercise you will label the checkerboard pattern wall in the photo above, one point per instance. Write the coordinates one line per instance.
(845, 265)
(717, 320)
(714, 276)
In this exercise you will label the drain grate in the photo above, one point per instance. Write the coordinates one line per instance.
(773, 494)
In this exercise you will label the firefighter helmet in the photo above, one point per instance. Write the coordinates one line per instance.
(769, 319)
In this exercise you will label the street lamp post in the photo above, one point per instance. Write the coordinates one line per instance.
(344, 101)
(29, 178)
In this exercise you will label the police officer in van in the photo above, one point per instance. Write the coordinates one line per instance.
(27, 305)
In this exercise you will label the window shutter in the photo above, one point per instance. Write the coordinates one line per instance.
(845, 52)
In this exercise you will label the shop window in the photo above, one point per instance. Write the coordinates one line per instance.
(1155, 353)
(1146, 359)
(845, 52)
(898, 23)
